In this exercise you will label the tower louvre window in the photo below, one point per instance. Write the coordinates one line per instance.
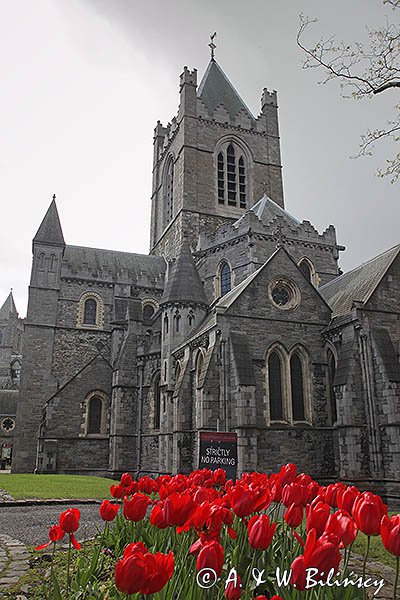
(231, 176)
(169, 191)
(157, 402)
(221, 179)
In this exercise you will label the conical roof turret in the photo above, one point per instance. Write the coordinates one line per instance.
(184, 284)
(8, 308)
(50, 231)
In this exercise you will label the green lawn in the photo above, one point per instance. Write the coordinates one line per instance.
(377, 550)
(55, 486)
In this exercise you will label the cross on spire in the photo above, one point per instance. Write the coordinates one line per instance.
(54, 197)
(212, 45)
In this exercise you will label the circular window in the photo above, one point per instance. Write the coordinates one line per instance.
(284, 294)
(7, 424)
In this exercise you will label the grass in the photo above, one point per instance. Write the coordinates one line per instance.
(24, 486)
(377, 550)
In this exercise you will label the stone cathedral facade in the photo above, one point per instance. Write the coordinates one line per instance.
(238, 319)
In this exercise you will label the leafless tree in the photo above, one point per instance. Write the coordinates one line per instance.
(363, 70)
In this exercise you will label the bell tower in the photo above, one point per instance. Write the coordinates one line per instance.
(213, 161)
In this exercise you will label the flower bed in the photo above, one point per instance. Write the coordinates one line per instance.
(180, 537)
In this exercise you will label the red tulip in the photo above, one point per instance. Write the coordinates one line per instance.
(108, 511)
(260, 531)
(294, 515)
(368, 510)
(130, 574)
(322, 553)
(294, 493)
(158, 571)
(211, 556)
(245, 500)
(343, 526)
(287, 474)
(178, 508)
(390, 533)
(316, 516)
(126, 480)
(135, 508)
(56, 533)
(346, 496)
(298, 577)
(69, 520)
(147, 485)
(157, 516)
(118, 491)
(219, 477)
(234, 589)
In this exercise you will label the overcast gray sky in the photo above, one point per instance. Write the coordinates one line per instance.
(83, 83)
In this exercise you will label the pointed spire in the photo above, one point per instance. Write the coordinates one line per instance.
(184, 284)
(8, 308)
(215, 88)
(50, 231)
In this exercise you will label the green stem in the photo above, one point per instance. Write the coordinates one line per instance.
(68, 564)
(52, 563)
(365, 563)
(396, 579)
(346, 562)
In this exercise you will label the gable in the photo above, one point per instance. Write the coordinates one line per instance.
(262, 294)
(386, 295)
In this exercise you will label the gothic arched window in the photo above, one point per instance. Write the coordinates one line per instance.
(225, 279)
(232, 175)
(148, 312)
(90, 312)
(297, 388)
(52, 262)
(169, 190)
(177, 323)
(1, 338)
(95, 410)
(157, 402)
(275, 386)
(166, 325)
(199, 368)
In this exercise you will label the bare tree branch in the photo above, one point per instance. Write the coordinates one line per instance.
(363, 70)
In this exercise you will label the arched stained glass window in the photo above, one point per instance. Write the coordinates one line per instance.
(275, 387)
(305, 268)
(225, 279)
(94, 415)
(297, 388)
(90, 312)
(166, 325)
(148, 312)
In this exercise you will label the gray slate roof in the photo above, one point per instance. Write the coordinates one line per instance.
(111, 262)
(50, 231)
(8, 308)
(357, 285)
(215, 88)
(267, 210)
(184, 283)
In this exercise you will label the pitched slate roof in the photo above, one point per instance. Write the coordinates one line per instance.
(357, 285)
(267, 210)
(8, 308)
(215, 88)
(50, 231)
(184, 283)
(112, 262)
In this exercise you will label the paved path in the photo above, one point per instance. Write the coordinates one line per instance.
(14, 558)
(22, 526)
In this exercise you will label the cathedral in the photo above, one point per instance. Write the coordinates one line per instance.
(239, 320)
